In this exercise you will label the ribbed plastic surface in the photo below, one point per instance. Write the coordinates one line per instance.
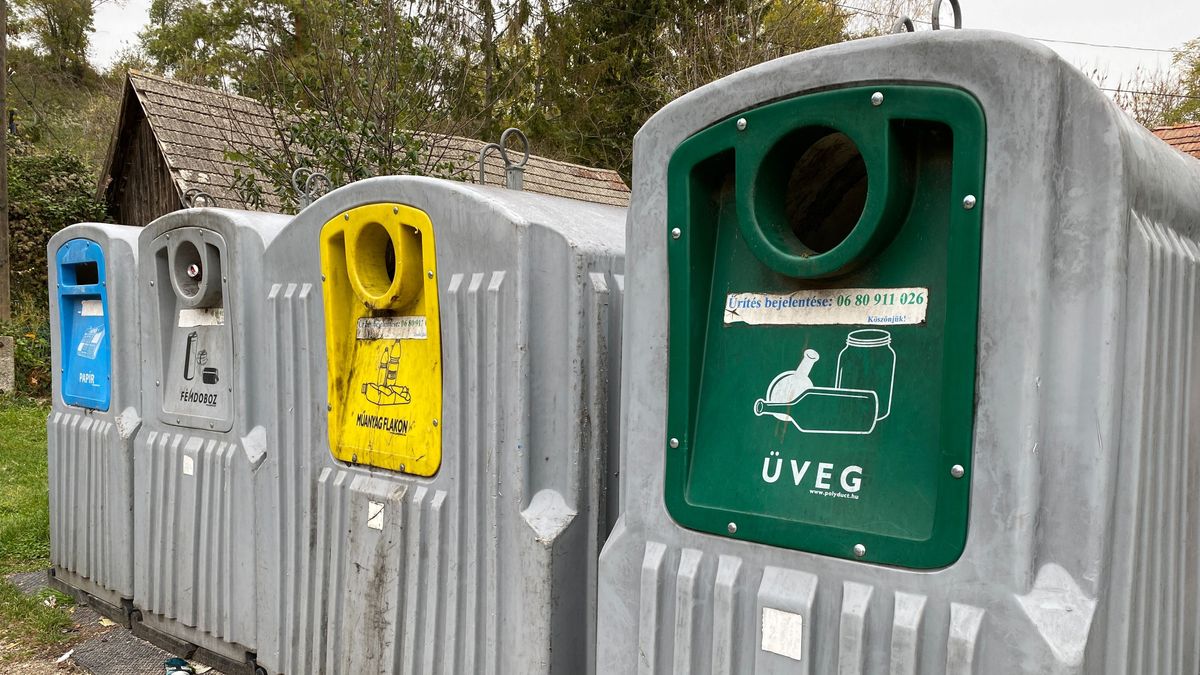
(490, 565)
(1080, 553)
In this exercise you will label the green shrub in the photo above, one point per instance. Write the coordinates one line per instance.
(46, 192)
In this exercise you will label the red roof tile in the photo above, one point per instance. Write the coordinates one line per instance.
(1182, 137)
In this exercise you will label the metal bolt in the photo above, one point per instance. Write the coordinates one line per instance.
(674, 442)
(156, 383)
(969, 202)
(877, 98)
(402, 467)
(429, 274)
(859, 550)
(210, 425)
(732, 527)
(741, 124)
(354, 458)
(346, 216)
(322, 277)
(395, 209)
(193, 270)
(957, 471)
(435, 423)
(329, 407)
(676, 233)
(151, 283)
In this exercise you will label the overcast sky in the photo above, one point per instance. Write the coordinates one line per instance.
(1150, 24)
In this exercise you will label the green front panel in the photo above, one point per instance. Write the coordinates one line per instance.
(822, 393)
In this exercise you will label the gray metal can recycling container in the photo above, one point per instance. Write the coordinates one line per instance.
(205, 380)
(95, 411)
(446, 394)
(910, 379)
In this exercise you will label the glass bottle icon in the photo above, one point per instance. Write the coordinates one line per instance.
(867, 362)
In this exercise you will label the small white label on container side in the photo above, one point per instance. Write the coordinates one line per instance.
(782, 633)
(189, 466)
(91, 308)
(190, 318)
(375, 515)
(829, 307)
(392, 328)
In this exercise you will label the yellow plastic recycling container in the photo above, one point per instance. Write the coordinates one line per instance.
(383, 338)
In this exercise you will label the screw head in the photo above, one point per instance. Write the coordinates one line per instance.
(395, 209)
(435, 422)
(859, 550)
(877, 98)
(429, 274)
(741, 124)
(151, 283)
(969, 202)
(957, 471)
(322, 277)
(676, 233)
(732, 527)
(345, 216)
(193, 271)
(674, 442)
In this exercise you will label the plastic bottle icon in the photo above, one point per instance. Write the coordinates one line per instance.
(385, 391)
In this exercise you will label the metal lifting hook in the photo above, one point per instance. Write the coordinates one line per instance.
(312, 187)
(937, 6)
(514, 173)
(193, 195)
(903, 25)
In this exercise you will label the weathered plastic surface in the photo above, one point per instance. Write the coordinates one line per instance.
(206, 395)
(488, 566)
(90, 446)
(1079, 555)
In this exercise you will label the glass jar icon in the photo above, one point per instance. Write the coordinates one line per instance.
(868, 362)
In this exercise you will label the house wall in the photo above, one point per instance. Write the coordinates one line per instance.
(142, 187)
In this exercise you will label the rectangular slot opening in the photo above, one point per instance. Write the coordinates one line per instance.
(81, 274)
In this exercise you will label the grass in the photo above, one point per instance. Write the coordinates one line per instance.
(28, 624)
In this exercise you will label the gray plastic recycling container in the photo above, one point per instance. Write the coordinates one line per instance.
(460, 533)
(95, 411)
(206, 397)
(923, 398)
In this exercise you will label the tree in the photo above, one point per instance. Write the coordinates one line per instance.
(1187, 108)
(61, 29)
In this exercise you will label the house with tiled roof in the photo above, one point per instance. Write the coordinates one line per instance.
(173, 138)
(1183, 137)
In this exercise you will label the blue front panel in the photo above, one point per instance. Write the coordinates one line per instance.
(83, 318)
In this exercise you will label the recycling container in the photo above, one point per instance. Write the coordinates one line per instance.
(910, 381)
(444, 430)
(95, 412)
(206, 382)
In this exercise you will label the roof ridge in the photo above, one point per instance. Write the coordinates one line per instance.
(189, 85)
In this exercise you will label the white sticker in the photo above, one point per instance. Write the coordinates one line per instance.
(829, 307)
(91, 308)
(190, 318)
(782, 633)
(392, 328)
(189, 466)
(375, 515)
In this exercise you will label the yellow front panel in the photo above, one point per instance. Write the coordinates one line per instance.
(384, 338)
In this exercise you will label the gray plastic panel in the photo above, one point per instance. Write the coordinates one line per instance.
(194, 503)
(91, 451)
(490, 565)
(1079, 557)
